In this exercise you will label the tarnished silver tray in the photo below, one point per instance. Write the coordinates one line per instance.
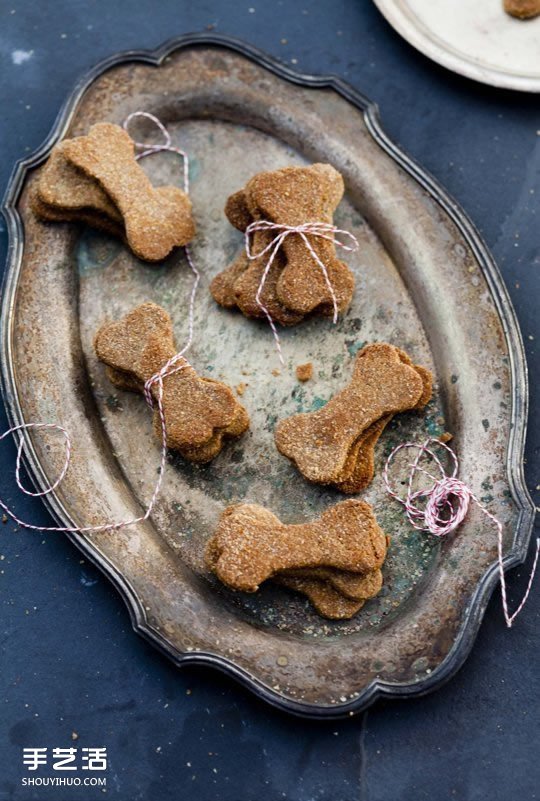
(425, 281)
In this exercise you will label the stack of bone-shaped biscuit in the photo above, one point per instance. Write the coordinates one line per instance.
(95, 179)
(295, 285)
(199, 412)
(336, 444)
(335, 560)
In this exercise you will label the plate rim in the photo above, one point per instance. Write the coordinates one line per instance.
(444, 56)
(467, 633)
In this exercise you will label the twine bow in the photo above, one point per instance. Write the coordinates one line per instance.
(320, 230)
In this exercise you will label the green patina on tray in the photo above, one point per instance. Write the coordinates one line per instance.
(425, 282)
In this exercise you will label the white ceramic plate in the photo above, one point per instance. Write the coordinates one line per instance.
(475, 38)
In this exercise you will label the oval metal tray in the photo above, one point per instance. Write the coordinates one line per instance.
(425, 281)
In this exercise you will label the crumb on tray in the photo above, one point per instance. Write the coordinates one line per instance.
(304, 371)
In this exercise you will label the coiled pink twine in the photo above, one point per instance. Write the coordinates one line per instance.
(174, 365)
(305, 230)
(445, 505)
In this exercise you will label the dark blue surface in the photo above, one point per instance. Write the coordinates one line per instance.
(71, 662)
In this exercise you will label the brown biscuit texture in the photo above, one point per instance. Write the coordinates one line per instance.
(292, 196)
(237, 210)
(96, 180)
(362, 454)
(328, 602)
(62, 185)
(64, 193)
(523, 9)
(304, 372)
(247, 285)
(85, 215)
(199, 412)
(295, 285)
(356, 586)
(238, 284)
(334, 445)
(155, 222)
(250, 544)
(222, 285)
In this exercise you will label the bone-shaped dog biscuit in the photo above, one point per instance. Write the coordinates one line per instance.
(66, 194)
(296, 195)
(196, 453)
(319, 443)
(155, 224)
(251, 544)
(198, 412)
(295, 284)
(327, 600)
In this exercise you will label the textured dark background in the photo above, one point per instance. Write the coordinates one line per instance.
(71, 662)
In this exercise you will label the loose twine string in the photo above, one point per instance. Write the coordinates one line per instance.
(174, 365)
(444, 505)
(320, 230)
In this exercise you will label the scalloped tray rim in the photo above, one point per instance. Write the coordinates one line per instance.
(514, 462)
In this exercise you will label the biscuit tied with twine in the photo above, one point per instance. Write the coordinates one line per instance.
(289, 267)
(324, 231)
(198, 412)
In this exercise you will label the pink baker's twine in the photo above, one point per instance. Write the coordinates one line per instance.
(174, 365)
(318, 229)
(147, 149)
(447, 502)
